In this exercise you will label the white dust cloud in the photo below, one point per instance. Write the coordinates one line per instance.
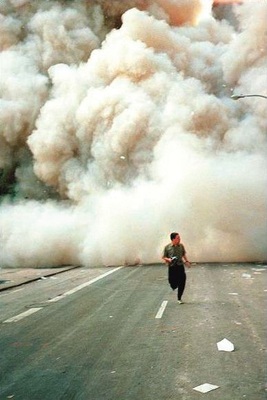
(117, 127)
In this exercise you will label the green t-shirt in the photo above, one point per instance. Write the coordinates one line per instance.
(174, 251)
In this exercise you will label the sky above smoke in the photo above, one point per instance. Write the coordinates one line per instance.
(117, 128)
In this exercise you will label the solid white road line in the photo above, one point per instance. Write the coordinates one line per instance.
(83, 285)
(161, 309)
(22, 315)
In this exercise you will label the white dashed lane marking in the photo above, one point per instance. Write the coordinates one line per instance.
(22, 315)
(57, 298)
(83, 285)
(161, 309)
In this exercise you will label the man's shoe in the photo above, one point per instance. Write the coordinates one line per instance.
(180, 302)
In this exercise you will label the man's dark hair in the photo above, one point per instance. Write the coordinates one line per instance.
(173, 235)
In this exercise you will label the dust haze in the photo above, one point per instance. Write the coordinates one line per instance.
(117, 127)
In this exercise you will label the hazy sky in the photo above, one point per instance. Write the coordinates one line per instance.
(117, 128)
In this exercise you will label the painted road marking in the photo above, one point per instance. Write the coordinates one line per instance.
(83, 285)
(161, 309)
(22, 315)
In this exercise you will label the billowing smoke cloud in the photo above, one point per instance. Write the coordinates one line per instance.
(117, 127)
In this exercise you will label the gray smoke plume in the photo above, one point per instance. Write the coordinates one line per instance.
(117, 127)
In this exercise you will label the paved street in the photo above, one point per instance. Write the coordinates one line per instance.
(119, 334)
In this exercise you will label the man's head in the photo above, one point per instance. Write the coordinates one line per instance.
(175, 238)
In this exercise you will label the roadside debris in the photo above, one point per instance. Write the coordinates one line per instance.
(205, 388)
(245, 275)
(225, 345)
(4, 281)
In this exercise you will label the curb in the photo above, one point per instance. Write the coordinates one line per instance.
(9, 283)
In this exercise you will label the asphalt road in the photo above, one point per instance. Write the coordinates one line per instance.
(104, 342)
